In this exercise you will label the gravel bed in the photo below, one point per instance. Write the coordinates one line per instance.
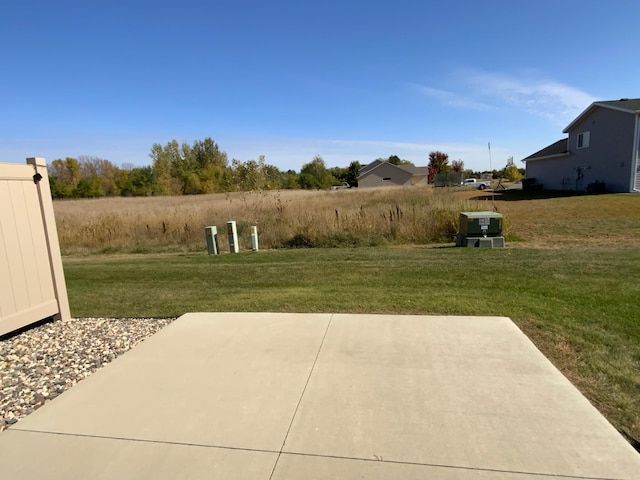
(39, 364)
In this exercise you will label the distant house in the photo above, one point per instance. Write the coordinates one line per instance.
(382, 173)
(603, 146)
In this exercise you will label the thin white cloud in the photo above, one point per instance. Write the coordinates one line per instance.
(553, 100)
(556, 101)
(450, 99)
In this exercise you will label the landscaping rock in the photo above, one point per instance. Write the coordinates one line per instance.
(39, 364)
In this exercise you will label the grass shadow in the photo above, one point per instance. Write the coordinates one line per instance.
(521, 195)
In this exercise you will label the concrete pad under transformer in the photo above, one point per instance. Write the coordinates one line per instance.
(471, 242)
(498, 242)
(479, 242)
(485, 242)
(264, 395)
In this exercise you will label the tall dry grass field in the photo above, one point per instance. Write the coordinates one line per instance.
(414, 215)
(354, 217)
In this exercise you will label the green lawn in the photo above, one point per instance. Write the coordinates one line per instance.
(580, 306)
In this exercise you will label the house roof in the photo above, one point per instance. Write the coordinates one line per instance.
(557, 149)
(631, 105)
(370, 166)
(627, 105)
(411, 169)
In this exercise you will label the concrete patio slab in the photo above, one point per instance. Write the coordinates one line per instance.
(320, 468)
(263, 396)
(453, 391)
(34, 455)
(230, 380)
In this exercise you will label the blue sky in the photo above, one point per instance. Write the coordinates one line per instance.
(347, 80)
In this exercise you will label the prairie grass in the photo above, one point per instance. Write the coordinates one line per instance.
(343, 218)
(416, 215)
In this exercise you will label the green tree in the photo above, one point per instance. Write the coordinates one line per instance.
(89, 188)
(339, 173)
(352, 173)
(65, 176)
(162, 160)
(245, 175)
(290, 180)
(468, 173)
(207, 153)
(192, 184)
(177, 166)
(314, 175)
(252, 175)
(395, 160)
(273, 177)
(105, 171)
(138, 182)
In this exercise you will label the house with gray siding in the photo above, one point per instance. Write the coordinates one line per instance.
(603, 145)
(381, 173)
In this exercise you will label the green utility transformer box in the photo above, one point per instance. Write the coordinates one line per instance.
(480, 229)
(481, 224)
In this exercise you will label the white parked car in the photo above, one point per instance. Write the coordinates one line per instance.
(475, 183)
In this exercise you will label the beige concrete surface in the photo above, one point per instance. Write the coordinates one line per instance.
(262, 396)
(320, 468)
(30, 455)
(230, 380)
(460, 391)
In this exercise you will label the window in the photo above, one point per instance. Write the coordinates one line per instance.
(583, 139)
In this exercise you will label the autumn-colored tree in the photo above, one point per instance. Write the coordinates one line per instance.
(439, 162)
(511, 172)
(457, 166)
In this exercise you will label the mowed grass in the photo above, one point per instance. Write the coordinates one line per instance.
(579, 307)
(569, 277)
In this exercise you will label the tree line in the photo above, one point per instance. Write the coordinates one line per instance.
(188, 169)
(184, 169)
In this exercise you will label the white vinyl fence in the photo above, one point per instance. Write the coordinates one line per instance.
(32, 286)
